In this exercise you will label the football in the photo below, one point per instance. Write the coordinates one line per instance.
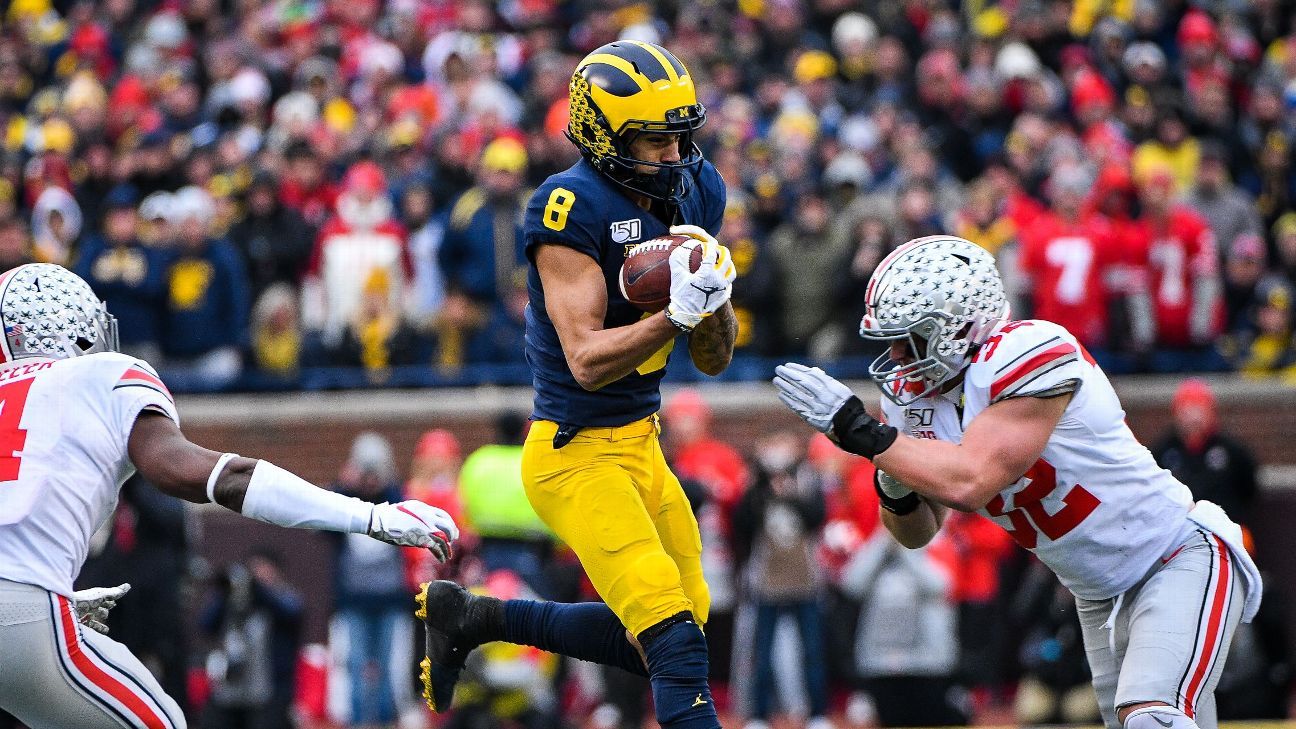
(646, 276)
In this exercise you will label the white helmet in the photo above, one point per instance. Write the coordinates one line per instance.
(942, 293)
(48, 311)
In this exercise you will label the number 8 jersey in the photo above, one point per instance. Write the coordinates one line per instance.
(64, 428)
(1095, 508)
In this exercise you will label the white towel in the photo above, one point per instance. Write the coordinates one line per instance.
(1212, 518)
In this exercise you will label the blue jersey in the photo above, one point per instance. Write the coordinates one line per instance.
(581, 209)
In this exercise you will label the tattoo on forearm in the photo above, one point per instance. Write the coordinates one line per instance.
(711, 344)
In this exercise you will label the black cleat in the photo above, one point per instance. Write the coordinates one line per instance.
(456, 623)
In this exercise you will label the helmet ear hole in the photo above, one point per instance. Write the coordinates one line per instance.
(84, 344)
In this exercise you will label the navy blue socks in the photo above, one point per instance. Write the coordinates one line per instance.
(589, 631)
(677, 664)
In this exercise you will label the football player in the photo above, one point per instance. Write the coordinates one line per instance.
(1014, 419)
(592, 465)
(76, 420)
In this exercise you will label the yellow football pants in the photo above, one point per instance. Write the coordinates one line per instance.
(609, 495)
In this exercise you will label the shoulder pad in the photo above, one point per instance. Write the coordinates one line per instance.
(1026, 358)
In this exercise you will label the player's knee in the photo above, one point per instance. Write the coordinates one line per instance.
(657, 572)
(1154, 716)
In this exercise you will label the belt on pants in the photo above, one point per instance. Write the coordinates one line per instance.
(563, 434)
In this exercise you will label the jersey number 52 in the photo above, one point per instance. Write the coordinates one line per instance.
(1029, 517)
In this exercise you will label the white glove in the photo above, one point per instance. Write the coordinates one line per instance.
(891, 487)
(811, 393)
(414, 524)
(92, 605)
(695, 295)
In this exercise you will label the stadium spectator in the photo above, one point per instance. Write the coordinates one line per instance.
(305, 186)
(1227, 207)
(361, 245)
(698, 456)
(14, 244)
(1265, 345)
(130, 277)
(56, 225)
(1257, 681)
(1284, 236)
(482, 251)
(980, 550)
(1182, 269)
(893, 114)
(775, 530)
(1068, 256)
(378, 338)
(434, 479)
(370, 594)
(1244, 266)
(755, 297)
(255, 618)
(274, 240)
(1172, 148)
(1213, 465)
(278, 345)
(207, 313)
(427, 225)
(805, 257)
(496, 508)
(1054, 685)
(907, 668)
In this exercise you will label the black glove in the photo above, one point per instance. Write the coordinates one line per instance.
(860, 433)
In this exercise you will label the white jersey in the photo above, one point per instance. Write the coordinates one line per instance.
(64, 427)
(1095, 508)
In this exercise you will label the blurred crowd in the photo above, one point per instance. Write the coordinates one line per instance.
(818, 615)
(262, 188)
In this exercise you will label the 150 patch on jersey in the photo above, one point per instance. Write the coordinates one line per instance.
(624, 231)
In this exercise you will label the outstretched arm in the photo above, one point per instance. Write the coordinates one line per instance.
(262, 491)
(711, 344)
(1000, 445)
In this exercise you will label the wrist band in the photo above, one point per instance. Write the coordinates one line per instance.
(678, 324)
(215, 472)
(906, 504)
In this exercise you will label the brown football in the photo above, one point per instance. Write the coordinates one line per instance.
(646, 275)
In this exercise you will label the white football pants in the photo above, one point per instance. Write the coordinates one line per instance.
(1171, 632)
(55, 674)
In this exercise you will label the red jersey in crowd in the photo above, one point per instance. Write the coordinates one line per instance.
(1178, 256)
(1068, 263)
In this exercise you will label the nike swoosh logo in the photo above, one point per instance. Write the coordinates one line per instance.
(634, 277)
(416, 516)
(1162, 723)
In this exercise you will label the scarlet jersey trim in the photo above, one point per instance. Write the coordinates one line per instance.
(1036, 366)
(137, 376)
